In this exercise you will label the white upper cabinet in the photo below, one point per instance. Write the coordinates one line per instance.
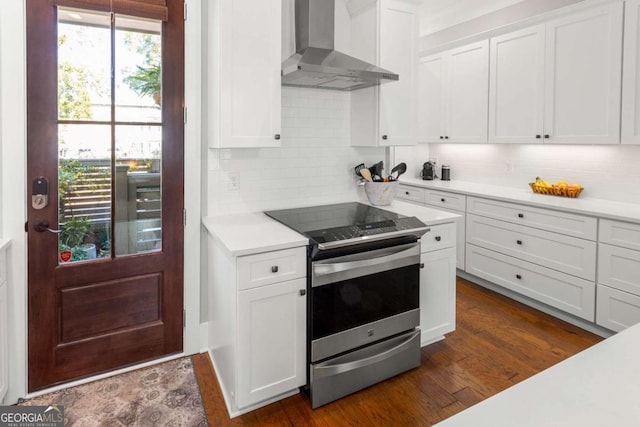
(559, 82)
(454, 89)
(516, 96)
(583, 68)
(385, 33)
(631, 74)
(244, 58)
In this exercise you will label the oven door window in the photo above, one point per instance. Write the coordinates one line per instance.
(343, 305)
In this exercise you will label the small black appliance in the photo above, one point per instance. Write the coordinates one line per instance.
(429, 171)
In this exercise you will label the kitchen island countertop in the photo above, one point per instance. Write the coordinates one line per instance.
(251, 233)
(582, 205)
(599, 386)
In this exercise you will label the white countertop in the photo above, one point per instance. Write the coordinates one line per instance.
(581, 205)
(251, 233)
(598, 387)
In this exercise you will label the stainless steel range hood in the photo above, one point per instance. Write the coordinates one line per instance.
(316, 64)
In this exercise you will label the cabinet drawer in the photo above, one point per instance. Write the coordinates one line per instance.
(271, 267)
(413, 194)
(616, 310)
(439, 237)
(556, 251)
(581, 226)
(619, 233)
(562, 291)
(619, 268)
(446, 200)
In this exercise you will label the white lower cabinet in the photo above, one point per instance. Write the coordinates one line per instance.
(618, 305)
(257, 324)
(444, 201)
(438, 283)
(271, 341)
(615, 309)
(562, 291)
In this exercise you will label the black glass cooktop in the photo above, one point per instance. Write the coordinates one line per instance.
(346, 223)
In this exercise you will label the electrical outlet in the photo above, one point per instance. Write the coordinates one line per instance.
(233, 182)
(509, 167)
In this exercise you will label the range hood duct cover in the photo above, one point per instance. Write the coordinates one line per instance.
(316, 63)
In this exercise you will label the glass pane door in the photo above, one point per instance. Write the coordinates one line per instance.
(109, 135)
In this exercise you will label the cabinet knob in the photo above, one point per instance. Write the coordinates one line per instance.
(446, 137)
(518, 276)
(406, 192)
(303, 292)
(385, 137)
(547, 136)
(519, 242)
(274, 268)
(441, 137)
(538, 136)
(520, 215)
(438, 238)
(422, 265)
(443, 200)
(276, 136)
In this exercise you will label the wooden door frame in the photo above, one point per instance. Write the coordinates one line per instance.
(45, 111)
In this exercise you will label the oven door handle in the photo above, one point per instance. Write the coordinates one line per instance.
(328, 369)
(393, 257)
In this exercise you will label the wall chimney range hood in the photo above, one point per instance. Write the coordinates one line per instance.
(316, 64)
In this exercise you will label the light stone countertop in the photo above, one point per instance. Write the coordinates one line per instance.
(599, 386)
(582, 205)
(251, 233)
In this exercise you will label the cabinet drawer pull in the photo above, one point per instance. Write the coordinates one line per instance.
(441, 137)
(422, 265)
(406, 192)
(538, 136)
(276, 136)
(519, 242)
(446, 137)
(303, 292)
(520, 215)
(518, 276)
(438, 238)
(385, 137)
(443, 200)
(547, 136)
(274, 268)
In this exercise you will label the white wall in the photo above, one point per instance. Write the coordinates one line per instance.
(606, 172)
(314, 166)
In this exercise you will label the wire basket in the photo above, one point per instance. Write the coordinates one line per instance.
(557, 190)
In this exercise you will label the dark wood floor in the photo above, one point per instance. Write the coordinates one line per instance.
(497, 343)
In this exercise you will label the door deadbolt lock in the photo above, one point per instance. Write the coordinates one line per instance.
(40, 193)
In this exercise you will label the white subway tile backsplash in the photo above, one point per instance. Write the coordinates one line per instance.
(314, 165)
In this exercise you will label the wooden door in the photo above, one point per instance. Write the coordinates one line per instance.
(105, 129)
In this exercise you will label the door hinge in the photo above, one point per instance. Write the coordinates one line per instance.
(184, 318)
(185, 11)
(184, 217)
(184, 114)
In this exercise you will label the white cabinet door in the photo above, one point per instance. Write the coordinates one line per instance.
(271, 341)
(244, 76)
(615, 309)
(468, 93)
(399, 54)
(631, 74)
(516, 94)
(583, 77)
(437, 294)
(385, 33)
(431, 98)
